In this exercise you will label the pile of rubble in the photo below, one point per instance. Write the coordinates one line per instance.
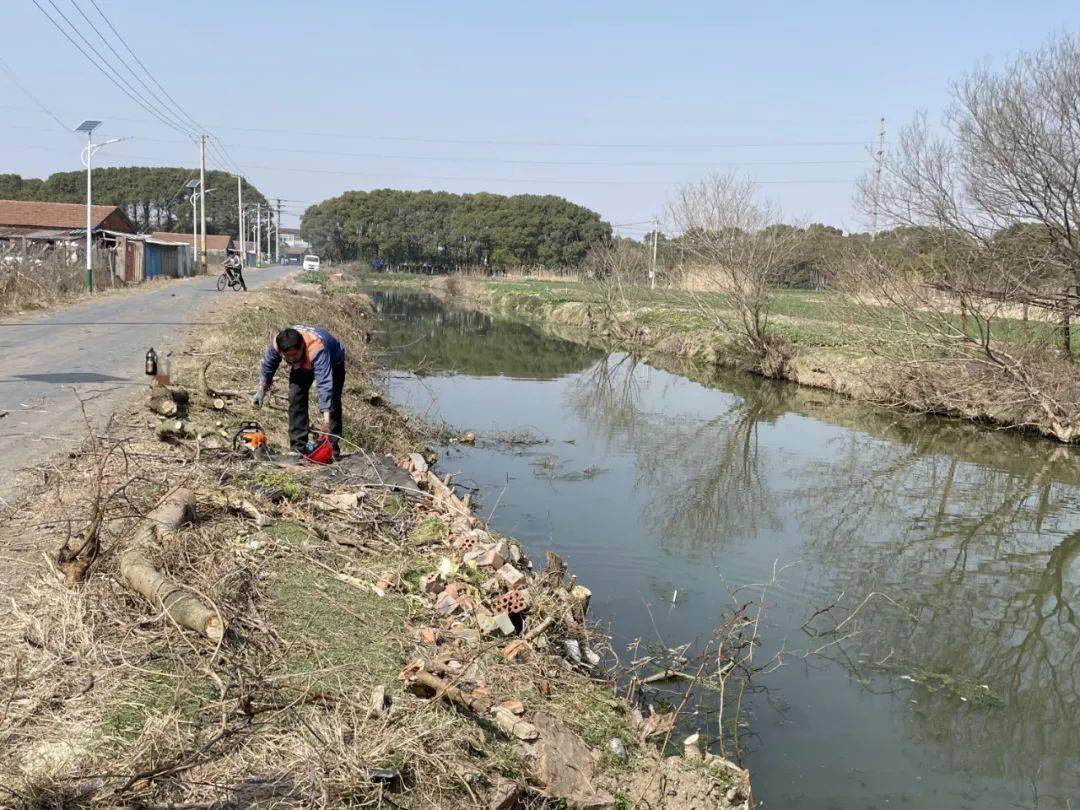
(485, 596)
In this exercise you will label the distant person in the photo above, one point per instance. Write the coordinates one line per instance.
(235, 268)
(314, 355)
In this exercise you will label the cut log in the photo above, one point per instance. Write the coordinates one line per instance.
(167, 400)
(172, 430)
(183, 607)
(163, 404)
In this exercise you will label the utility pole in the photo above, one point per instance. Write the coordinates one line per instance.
(258, 234)
(269, 227)
(240, 217)
(277, 243)
(652, 270)
(880, 158)
(202, 201)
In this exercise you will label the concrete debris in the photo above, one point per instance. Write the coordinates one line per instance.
(564, 765)
(510, 575)
(338, 501)
(515, 706)
(513, 725)
(573, 650)
(505, 795)
(429, 636)
(500, 622)
(380, 701)
(418, 462)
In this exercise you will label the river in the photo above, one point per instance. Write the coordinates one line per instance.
(675, 496)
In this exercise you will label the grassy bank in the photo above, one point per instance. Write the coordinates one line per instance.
(364, 661)
(835, 344)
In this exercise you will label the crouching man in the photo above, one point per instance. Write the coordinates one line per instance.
(314, 356)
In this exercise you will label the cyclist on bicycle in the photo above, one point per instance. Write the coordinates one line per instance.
(235, 269)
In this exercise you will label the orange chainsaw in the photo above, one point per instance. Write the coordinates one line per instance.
(250, 437)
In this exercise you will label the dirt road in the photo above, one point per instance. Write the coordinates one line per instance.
(94, 351)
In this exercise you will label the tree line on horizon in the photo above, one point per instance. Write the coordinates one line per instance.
(154, 198)
(445, 230)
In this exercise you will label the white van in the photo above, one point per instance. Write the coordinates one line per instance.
(311, 262)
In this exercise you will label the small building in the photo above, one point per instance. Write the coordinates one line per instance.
(59, 222)
(53, 234)
(291, 237)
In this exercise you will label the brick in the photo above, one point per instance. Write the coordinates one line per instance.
(515, 706)
(429, 635)
(511, 575)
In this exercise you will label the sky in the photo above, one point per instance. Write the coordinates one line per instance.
(611, 105)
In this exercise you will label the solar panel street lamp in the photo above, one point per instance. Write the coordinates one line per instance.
(88, 127)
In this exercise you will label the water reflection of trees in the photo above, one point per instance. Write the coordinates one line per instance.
(703, 481)
(979, 535)
(986, 559)
(416, 332)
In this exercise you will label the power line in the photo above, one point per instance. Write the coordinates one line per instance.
(15, 80)
(760, 144)
(455, 178)
(135, 56)
(128, 91)
(510, 161)
(162, 105)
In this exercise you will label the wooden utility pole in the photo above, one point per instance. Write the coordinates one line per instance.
(240, 218)
(202, 202)
(652, 269)
(277, 240)
(880, 158)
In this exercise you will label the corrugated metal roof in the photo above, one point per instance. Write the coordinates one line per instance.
(16, 231)
(214, 241)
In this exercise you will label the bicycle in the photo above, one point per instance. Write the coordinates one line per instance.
(233, 280)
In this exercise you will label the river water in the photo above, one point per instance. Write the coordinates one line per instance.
(955, 685)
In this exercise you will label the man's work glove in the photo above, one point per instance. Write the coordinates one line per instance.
(258, 397)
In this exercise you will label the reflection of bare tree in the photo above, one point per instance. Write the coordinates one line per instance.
(704, 480)
(986, 560)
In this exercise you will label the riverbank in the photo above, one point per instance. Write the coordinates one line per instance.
(314, 636)
(824, 353)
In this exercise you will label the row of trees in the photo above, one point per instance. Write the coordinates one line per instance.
(154, 198)
(444, 230)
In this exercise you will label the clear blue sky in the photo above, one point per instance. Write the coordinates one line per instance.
(609, 104)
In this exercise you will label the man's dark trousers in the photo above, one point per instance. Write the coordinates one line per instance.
(300, 381)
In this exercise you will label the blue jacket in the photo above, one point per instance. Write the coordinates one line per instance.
(322, 351)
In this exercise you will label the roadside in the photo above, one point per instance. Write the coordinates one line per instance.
(380, 644)
(90, 355)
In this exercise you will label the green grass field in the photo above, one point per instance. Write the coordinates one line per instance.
(806, 317)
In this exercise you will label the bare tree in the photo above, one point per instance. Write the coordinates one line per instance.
(986, 218)
(1009, 157)
(617, 268)
(729, 239)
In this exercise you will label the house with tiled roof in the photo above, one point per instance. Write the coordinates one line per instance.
(53, 221)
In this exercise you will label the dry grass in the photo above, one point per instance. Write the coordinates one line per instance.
(39, 277)
(105, 702)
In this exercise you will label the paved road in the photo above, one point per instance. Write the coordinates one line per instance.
(97, 348)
